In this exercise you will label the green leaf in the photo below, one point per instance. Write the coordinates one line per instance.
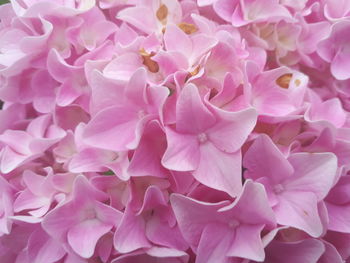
(3, 2)
(109, 173)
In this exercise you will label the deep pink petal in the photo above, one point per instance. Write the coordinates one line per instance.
(308, 250)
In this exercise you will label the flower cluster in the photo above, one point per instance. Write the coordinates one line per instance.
(206, 131)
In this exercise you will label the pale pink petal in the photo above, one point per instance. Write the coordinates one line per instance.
(214, 244)
(264, 158)
(130, 235)
(340, 63)
(258, 212)
(135, 91)
(192, 224)
(147, 157)
(314, 172)
(84, 236)
(191, 114)
(176, 40)
(139, 16)
(219, 170)
(42, 248)
(182, 153)
(112, 128)
(232, 129)
(252, 249)
(299, 209)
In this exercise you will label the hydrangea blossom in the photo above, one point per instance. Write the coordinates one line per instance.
(192, 131)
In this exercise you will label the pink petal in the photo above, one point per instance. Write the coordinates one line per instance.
(340, 64)
(123, 67)
(130, 235)
(58, 221)
(252, 249)
(308, 250)
(192, 224)
(84, 236)
(299, 209)
(107, 214)
(219, 170)
(314, 172)
(214, 244)
(182, 153)
(136, 17)
(339, 216)
(232, 129)
(27, 200)
(160, 233)
(100, 86)
(264, 158)
(136, 88)
(258, 212)
(147, 157)
(330, 255)
(42, 248)
(112, 128)
(191, 114)
(176, 40)
(10, 160)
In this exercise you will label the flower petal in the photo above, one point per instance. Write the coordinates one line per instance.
(219, 170)
(83, 237)
(182, 153)
(192, 116)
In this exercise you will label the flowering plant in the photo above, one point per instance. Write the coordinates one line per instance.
(206, 131)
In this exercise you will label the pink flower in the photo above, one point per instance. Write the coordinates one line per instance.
(23, 146)
(38, 194)
(219, 231)
(89, 222)
(174, 131)
(319, 112)
(141, 104)
(335, 50)
(44, 249)
(242, 12)
(276, 92)
(294, 185)
(151, 226)
(206, 140)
